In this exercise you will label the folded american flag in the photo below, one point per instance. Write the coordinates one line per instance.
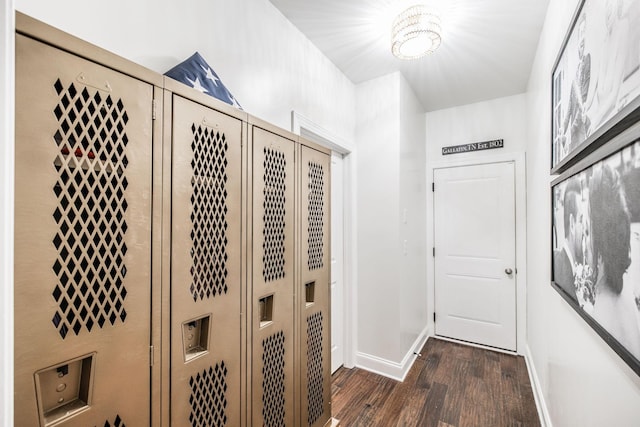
(195, 72)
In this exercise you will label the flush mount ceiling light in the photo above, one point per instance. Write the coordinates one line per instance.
(415, 33)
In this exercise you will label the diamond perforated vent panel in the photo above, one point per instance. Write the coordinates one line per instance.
(91, 162)
(274, 214)
(273, 389)
(209, 213)
(208, 397)
(315, 219)
(315, 362)
(117, 422)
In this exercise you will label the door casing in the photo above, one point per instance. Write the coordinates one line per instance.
(519, 159)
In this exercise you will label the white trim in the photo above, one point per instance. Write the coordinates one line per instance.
(350, 256)
(7, 168)
(519, 160)
(301, 125)
(306, 128)
(543, 412)
(388, 368)
(476, 345)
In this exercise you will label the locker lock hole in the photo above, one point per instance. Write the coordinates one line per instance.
(310, 293)
(195, 337)
(266, 310)
(62, 370)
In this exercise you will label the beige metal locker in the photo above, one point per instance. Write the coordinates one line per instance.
(206, 266)
(273, 274)
(313, 293)
(171, 253)
(82, 240)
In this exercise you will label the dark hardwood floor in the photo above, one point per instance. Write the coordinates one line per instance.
(449, 385)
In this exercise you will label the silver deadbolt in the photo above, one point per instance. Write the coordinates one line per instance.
(508, 271)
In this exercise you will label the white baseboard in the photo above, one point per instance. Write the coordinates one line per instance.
(543, 412)
(420, 342)
(388, 368)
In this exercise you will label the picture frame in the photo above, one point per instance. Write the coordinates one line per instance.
(595, 235)
(595, 80)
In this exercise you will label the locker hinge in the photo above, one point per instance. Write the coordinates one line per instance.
(151, 361)
(434, 317)
(434, 251)
(154, 109)
(433, 187)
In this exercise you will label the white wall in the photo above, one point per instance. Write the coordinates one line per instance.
(6, 211)
(391, 286)
(413, 209)
(501, 118)
(269, 66)
(583, 382)
(377, 134)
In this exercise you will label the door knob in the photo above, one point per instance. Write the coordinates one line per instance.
(508, 271)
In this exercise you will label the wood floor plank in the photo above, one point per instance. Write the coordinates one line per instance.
(403, 392)
(529, 409)
(477, 362)
(358, 403)
(433, 406)
(477, 416)
(410, 389)
(510, 376)
(341, 376)
(427, 374)
(449, 385)
(459, 351)
(412, 376)
(493, 376)
(378, 400)
(511, 413)
(410, 414)
(476, 391)
(352, 394)
(442, 373)
(456, 394)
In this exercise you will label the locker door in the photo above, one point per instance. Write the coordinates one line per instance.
(206, 267)
(273, 277)
(314, 289)
(82, 242)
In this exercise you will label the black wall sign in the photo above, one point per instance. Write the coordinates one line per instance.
(475, 146)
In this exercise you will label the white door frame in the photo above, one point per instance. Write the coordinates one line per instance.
(7, 107)
(300, 125)
(519, 160)
(337, 245)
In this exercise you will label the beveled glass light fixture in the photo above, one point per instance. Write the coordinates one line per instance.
(415, 33)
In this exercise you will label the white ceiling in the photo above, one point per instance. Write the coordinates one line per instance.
(487, 50)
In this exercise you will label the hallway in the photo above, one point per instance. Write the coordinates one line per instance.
(449, 385)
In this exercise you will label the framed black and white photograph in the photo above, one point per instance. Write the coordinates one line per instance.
(596, 246)
(596, 79)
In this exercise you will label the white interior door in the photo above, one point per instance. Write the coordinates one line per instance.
(337, 261)
(475, 274)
